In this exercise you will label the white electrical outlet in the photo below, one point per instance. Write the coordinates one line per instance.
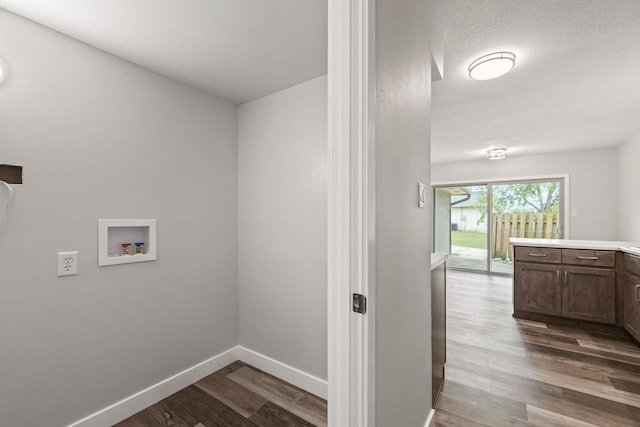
(67, 263)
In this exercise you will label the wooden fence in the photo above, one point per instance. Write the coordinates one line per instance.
(520, 224)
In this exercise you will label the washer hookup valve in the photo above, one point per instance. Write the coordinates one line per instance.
(139, 247)
(125, 248)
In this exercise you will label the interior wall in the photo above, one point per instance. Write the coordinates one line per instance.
(101, 138)
(282, 212)
(629, 177)
(403, 229)
(593, 184)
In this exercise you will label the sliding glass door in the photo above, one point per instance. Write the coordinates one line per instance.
(522, 209)
(473, 223)
(461, 226)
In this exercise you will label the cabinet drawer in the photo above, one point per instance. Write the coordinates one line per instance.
(531, 254)
(632, 264)
(589, 257)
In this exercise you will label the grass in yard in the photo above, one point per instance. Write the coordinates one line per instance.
(469, 239)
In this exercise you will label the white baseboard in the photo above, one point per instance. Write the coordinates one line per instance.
(290, 374)
(147, 397)
(430, 418)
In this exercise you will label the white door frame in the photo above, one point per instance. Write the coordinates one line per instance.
(351, 220)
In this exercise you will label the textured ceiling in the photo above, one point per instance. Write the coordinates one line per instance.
(236, 49)
(575, 86)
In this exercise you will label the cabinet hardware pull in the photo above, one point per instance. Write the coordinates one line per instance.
(588, 257)
(565, 276)
(637, 296)
(558, 275)
(542, 255)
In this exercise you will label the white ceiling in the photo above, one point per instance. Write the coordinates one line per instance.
(236, 49)
(576, 84)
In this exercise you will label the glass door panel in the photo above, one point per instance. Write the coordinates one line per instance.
(522, 209)
(460, 226)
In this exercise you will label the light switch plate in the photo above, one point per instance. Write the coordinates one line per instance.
(422, 201)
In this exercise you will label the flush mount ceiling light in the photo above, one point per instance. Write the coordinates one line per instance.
(496, 153)
(492, 65)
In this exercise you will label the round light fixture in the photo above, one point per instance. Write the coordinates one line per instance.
(492, 65)
(496, 153)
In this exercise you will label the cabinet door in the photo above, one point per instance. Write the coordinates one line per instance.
(438, 330)
(589, 294)
(537, 288)
(632, 305)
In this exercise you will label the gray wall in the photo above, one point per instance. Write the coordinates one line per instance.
(101, 138)
(629, 196)
(282, 209)
(593, 192)
(403, 231)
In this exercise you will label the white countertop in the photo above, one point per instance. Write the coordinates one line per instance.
(438, 259)
(598, 245)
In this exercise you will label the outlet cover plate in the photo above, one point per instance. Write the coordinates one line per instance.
(67, 263)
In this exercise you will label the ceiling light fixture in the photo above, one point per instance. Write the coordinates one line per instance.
(492, 65)
(496, 153)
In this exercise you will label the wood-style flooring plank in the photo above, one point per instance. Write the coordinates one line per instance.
(444, 418)
(604, 405)
(623, 384)
(287, 396)
(540, 394)
(217, 400)
(232, 367)
(615, 349)
(485, 409)
(545, 373)
(196, 406)
(153, 416)
(271, 415)
(543, 417)
(241, 400)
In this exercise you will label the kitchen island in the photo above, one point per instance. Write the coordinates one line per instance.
(578, 281)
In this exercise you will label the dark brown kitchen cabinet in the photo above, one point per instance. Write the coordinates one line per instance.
(632, 295)
(438, 329)
(538, 288)
(570, 283)
(589, 294)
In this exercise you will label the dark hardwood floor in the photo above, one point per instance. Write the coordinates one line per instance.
(501, 371)
(237, 395)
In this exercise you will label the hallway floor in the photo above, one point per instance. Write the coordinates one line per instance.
(235, 396)
(506, 372)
